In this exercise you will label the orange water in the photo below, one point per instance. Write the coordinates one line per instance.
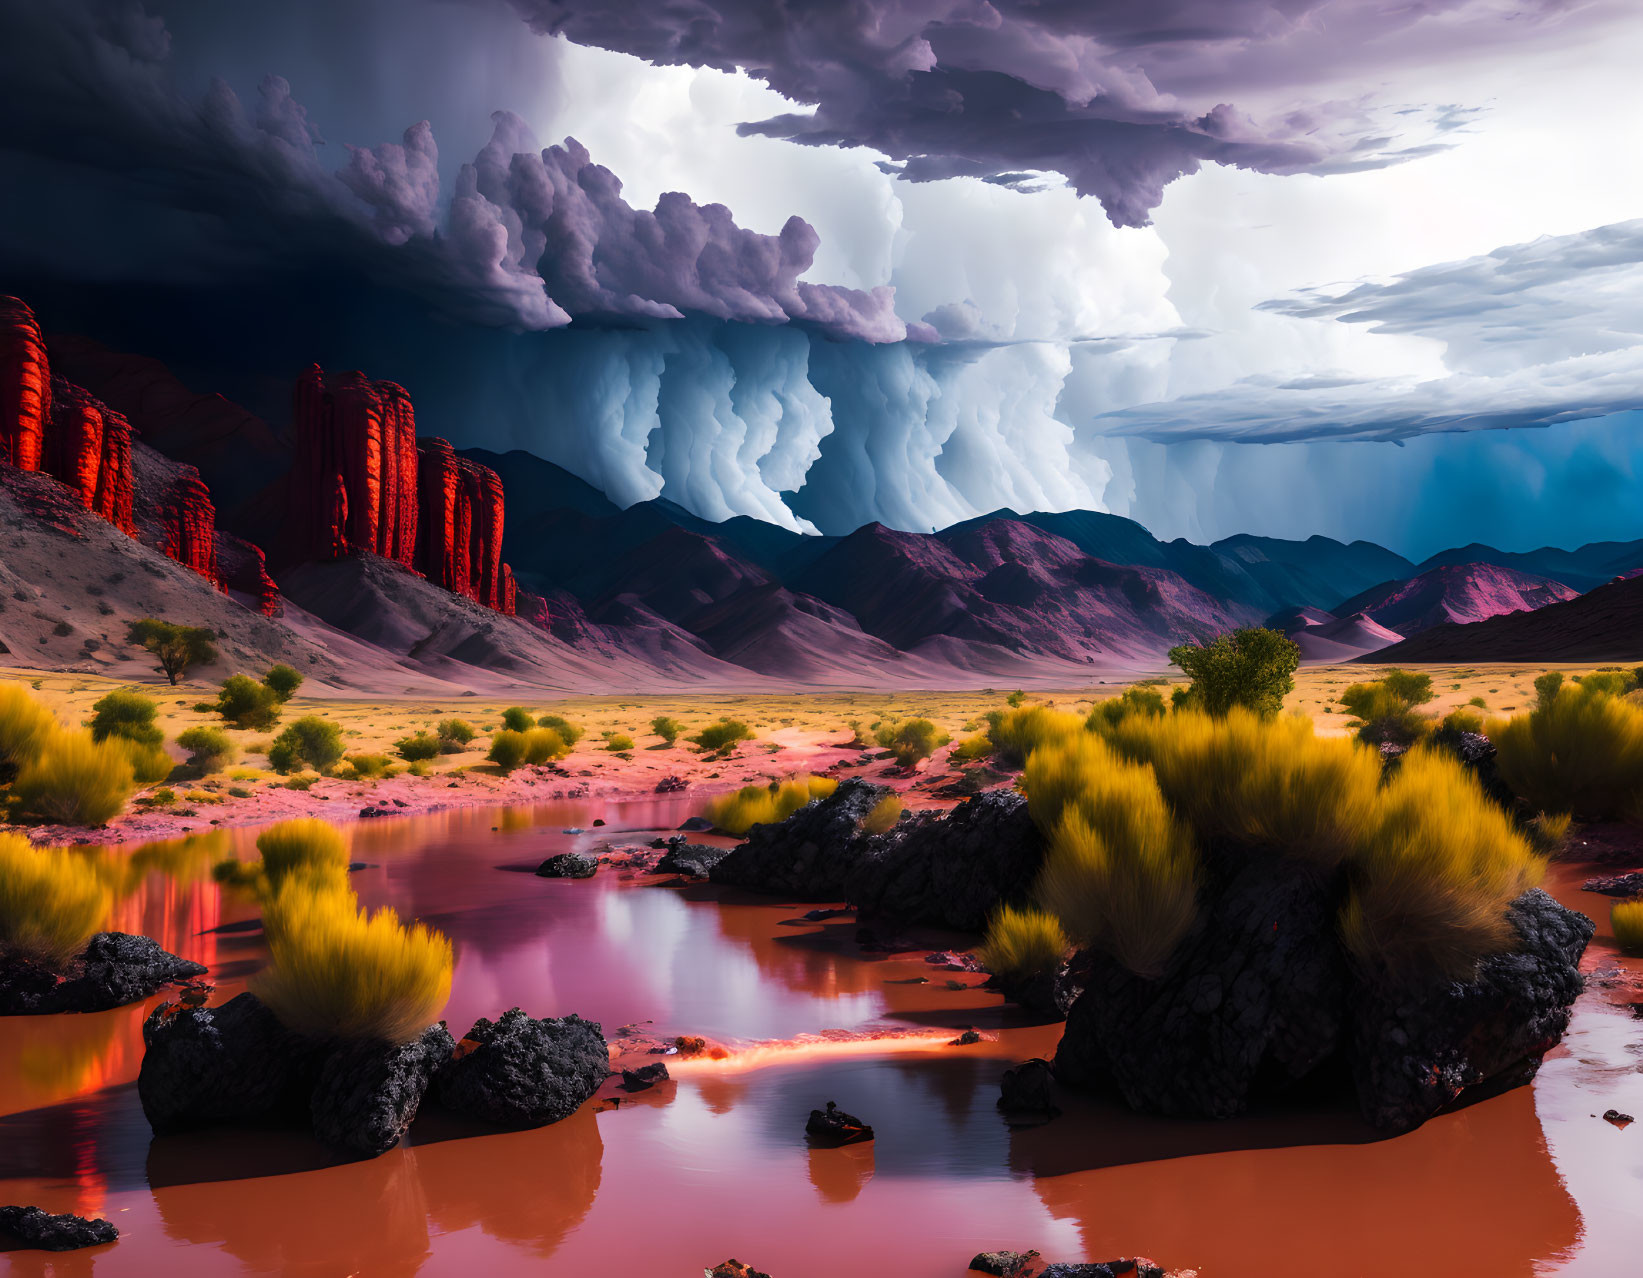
(715, 1164)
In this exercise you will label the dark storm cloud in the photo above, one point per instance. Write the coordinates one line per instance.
(529, 237)
(1120, 96)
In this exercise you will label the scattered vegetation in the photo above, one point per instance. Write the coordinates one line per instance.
(667, 728)
(1580, 750)
(765, 805)
(544, 745)
(25, 727)
(1023, 942)
(1626, 921)
(122, 713)
(911, 740)
(722, 737)
(454, 735)
(1386, 708)
(306, 852)
(568, 732)
(1254, 668)
(368, 767)
(420, 746)
(1114, 710)
(311, 740)
(507, 749)
(517, 719)
(150, 764)
(245, 703)
(176, 648)
(283, 681)
(615, 742)
(1017, 733)
(979, 746)
(209, 749)
(883, 815)
(51, 902)
(75, 780)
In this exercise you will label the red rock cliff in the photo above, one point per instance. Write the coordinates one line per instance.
(190, 522)
(88, 448)
(459, 542)
(355, 473)
(25, 386)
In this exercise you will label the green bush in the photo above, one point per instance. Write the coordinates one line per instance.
(420, 746)
(1579, 752)
(616, 742)
(1017, 733)
(1435, 872)
(1253, 668)
(176, 648)
(666, 728)
(1016, 699)
(1626, 921)
(1386, 708)
(51, 902)
(75, 780)
(454, 735)
(126, 714)
(1120, 870)
(25, 727)
(311, 740)
(1023, 942)
(568, 732)
(1146, 701)
(369, 767)
(245, 703)
(979, 746)
(283, 681)
(335, 972)
(150, 764)
(753, 805)
(911, 740)
(306, 848)
(544, 745)
(722, 736)
(507, 749)
(209, 749)
(1546, 687)
(517, 719)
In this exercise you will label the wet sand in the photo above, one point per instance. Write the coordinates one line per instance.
(714, 1164)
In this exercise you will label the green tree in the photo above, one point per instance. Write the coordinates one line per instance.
(175, 647)
(311, 740)
(516, 718)
(248, 704)
(666, 728)
(282, 681)
(1254, 667)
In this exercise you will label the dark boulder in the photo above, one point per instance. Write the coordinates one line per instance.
(734, 1268)
(693, 860)
(1622, 885)
(1028, 1088)
(1417, 1045)
(951, 871)
(1138, 1267)
(523, 1072)
(36, 1228)
(644, 1078)
(368, 1093)
(205, 1065)
(114, 969)
(832, 1127)
(695, 825)
(1002, 1264)
(568, 865)
(1254, 996)
(813, 853)
(1050, 994)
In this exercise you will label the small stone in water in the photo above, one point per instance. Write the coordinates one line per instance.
(1620, 1120)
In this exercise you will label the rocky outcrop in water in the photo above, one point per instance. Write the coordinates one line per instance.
(114, 969)
(34, 1227)
(568, 865)
(368, 1093)
(954, 870)
(693, 860)
(813, 853)
(522, 1072)
(831, 1127)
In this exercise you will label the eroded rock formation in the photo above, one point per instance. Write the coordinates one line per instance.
(25, 386)
(459, 541)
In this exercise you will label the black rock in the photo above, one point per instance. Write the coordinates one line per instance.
(643, 1078)
(114, 969)
(695, 825)
(694, 860)
(366, 814)
(523, 1072)
(204, 1065)
(1615, 1117)
(1616, 884)
(1417, 1045)
(568, 865)
(1139, 1267)
(965, 1039)
(1254, 997)
(36, 1228)
(671, 785)
(810, 855)
(368, 1093)
(951, 871)
(1028, 1088)
(1003, 1264)
(832, 1127)
(1050, 994)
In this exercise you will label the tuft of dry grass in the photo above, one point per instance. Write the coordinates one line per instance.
(1580, 751)
(75, 780)
(51, 901)
(1023, 942)
(25, 727)
(336, 972)
(1626, 921)
(883, 816)
(1016, 733)
(1435, 871)
(752, 805)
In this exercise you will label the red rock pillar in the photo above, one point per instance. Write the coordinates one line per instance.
(25, 386)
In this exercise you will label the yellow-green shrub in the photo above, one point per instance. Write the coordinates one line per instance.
(209, 749)
(542, 745)
(150, 764)
(753, 805)
(1547, 831)
(1626, 920)
(307, 849)
(1145, 701)
(1023, 942)
(568, 732)
(1580, 750)
(979, 746)
(1120, 870)
(883, 815)
(617, 742)
(51, 902)
(1250, 781)
(335, 972)
(1435, 871)
(25, 727)
(722, 736)
(123, 713)
(911, 740)
(75, 780)
(368, 766)
(1016, 733)
(507, 749)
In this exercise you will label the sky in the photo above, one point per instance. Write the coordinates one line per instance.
(1359, 268)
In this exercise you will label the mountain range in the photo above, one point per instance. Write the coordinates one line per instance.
(376, 558)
